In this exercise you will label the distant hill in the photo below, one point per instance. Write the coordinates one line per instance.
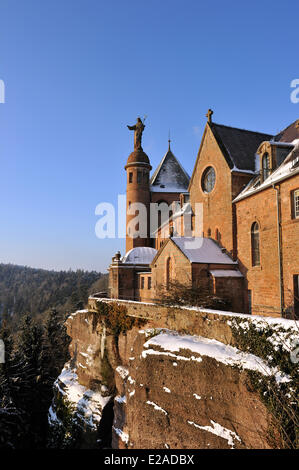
(36, 291)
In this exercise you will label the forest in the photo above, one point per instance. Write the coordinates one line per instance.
(36, 291)
(33, 306)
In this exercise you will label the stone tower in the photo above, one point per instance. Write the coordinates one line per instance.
(138, 190)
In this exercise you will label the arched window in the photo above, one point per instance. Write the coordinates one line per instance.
(255, 244)
(266, 166)
(168, 272)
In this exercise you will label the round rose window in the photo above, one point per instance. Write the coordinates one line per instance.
(208, 179)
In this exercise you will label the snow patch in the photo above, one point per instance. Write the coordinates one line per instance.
(121, 399)
(157, 407)
(122, 371)
(220, 431)
(123, 435)
(228, 355)
(197, 396)
(87, 403)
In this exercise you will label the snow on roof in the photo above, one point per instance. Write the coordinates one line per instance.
(225, 273)
(140, 255)
(202, 250)
(170, 176)
(286, 169)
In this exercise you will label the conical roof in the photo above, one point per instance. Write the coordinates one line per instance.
(170, 176)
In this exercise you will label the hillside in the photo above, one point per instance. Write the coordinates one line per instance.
(36, 291)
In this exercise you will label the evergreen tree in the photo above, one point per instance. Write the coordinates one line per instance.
(13, 419)
(57, 342)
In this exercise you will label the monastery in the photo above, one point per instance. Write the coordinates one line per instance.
(232, 227)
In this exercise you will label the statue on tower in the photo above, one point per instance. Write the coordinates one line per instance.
(138, 128)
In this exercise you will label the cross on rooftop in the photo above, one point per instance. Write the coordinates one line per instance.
(209, 115)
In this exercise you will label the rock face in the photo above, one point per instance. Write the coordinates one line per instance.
(155, 388)
(178, 398)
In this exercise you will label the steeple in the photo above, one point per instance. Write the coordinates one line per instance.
(169, 176)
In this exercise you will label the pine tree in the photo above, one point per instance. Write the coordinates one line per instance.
(57, 342)
(13, 419)
(34, 379)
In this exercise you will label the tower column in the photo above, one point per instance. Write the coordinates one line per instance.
(138, 191)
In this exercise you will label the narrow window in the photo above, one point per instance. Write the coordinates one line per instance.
(149, 282)
(296, 204)
(139, 177)
(296, 295)
(249, 302)
(168, 272)
(255, 244)
(266, 166)
(142, 283)
(130, 177)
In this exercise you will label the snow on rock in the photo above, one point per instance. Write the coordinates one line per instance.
(171, 342)
(130, 380)
(283, 335)
(122, 371)
(175, 356)
(220, 431)
(123, 435)
(166, 390)
(121, 399)
(86, 403)
(72, 315)
(196, 396)
(157, 407)
(53, 418)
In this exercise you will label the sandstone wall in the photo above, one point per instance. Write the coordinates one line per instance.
(179, 381)
(263, 280)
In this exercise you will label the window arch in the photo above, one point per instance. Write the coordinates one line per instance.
(255, 244)
(266, 165)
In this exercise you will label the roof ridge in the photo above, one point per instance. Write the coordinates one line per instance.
(285, 128)
(244, 130)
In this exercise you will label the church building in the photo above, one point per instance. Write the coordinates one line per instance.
(232, 228)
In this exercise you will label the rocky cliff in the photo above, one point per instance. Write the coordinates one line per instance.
(134, 382)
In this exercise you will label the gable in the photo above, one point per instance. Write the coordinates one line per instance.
(209, 147)
(163, 248)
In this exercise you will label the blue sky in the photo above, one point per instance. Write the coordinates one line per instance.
(78, 71)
